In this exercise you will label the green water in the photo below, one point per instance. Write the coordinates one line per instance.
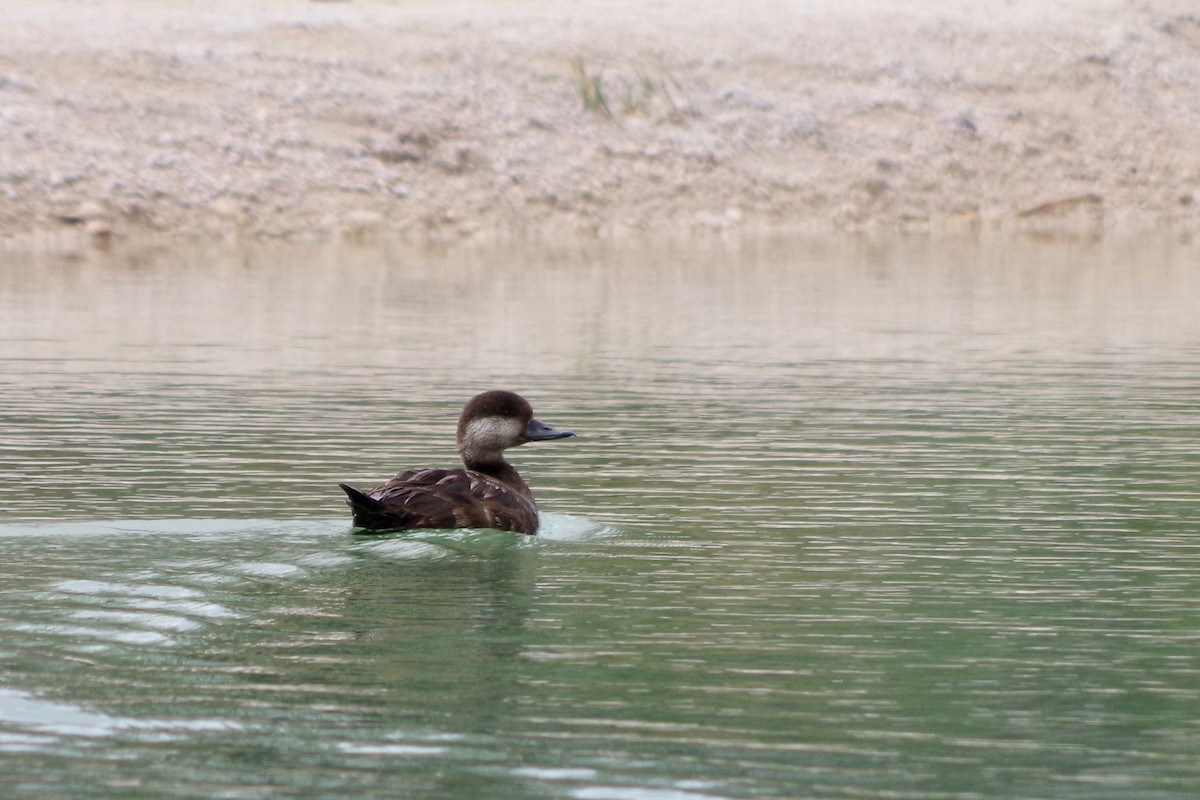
(844, 520)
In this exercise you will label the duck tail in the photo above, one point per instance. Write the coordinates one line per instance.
(367, 512)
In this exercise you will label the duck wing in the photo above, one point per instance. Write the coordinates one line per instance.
(443, 498)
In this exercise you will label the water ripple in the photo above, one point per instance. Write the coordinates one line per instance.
(903, 520)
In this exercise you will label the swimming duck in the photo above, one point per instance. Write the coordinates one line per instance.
(489, 493)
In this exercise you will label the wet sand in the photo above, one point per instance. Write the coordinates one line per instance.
(303, 120)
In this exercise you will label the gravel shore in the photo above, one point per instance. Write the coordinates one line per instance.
(305, 120)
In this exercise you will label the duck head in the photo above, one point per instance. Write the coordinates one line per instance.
(494, 421)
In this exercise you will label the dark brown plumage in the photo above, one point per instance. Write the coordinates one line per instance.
(489, 493)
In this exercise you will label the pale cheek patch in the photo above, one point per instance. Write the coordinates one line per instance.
(493, 430)
(485, 437)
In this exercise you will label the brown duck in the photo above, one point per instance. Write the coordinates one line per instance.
(489, 493)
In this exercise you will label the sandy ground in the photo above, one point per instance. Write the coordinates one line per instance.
(425, 119)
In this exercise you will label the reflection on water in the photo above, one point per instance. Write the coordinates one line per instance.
(843, 520)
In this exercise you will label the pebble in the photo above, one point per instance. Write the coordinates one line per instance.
(90, 211)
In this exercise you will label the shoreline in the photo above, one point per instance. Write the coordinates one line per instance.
(472, 121)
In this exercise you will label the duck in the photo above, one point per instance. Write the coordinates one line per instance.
(488, 493)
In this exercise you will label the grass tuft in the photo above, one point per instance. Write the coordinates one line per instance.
(635, 91)
(590, 87)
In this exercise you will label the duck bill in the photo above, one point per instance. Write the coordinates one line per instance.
(538, 431)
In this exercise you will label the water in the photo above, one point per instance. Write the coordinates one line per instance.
(844, 520)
